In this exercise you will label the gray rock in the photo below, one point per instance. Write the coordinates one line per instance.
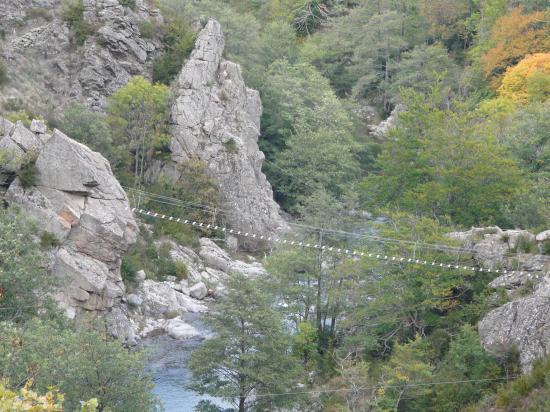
(134, 300)
(179, 329)
(198, 291)
(216, 118)
(216, 258)
(140, 276)
(384, 126)
(160, 299)
(543, 236)
(38, 126)
(81, 203)
(523, 324)
(120, 326)
(5, 127)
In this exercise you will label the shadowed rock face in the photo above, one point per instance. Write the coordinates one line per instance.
(78, 200)
(216, 118)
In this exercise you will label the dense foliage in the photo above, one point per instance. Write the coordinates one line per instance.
(39, 347)
(467, 84)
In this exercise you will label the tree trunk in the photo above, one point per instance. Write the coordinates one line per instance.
(319, 287)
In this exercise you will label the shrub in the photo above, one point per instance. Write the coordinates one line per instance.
(84, 364)
(526, 245)
(146, 29)
(527, 288)
(546, 247)
(128, 270)
(28, 173)
(231, 146)
(73, 14)
(90, 128)
(179, 38)
(512, 396)
(128, 3)
(13, 104)
(181, 270)
(48, 240)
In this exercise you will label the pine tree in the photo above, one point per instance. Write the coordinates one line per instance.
(249, 358)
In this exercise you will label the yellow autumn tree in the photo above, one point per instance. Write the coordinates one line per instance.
(513, 36)
(28, 400)
(529, 80)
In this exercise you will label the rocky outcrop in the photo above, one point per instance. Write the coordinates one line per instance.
(381, 129)
(78, 201)
(216, 118)
(45, 65)
(160, 306)
(524, 322)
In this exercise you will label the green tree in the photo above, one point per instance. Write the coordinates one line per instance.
(249, 356)
(304, 125)
(408, 364)
(139, 113)
(382, 46)
(24, 283)
(420, 69)
(466, 360)
(83, 364)
(90, 128)
(313, 284)
(441, 162)
(179, 38)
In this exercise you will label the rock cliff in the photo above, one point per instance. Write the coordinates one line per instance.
(45, 65)
(524, 322)
(79, 202)
(216, 118)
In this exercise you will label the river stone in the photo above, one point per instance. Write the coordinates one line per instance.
(179, 329)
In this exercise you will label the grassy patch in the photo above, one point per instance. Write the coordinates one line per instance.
(39, 13)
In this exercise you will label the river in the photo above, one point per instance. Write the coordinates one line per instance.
(168, 364)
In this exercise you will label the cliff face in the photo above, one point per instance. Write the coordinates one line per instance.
(50, 70)
(524, 322)
(216, 118)
(77, 199)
